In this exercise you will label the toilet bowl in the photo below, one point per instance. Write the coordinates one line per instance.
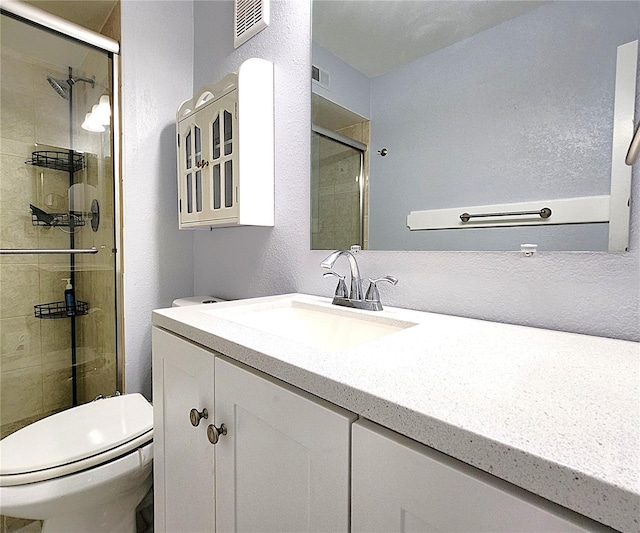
(84, 469)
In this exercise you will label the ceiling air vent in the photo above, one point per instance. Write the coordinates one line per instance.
(251, 17)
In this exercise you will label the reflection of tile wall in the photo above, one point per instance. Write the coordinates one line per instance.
(335, 208)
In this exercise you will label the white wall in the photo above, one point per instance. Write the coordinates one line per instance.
(242, 262)
(157, 75)
(347, 87)
(591, 293)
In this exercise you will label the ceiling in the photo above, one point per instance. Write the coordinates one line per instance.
(376, 36)
(91, 14)
(370, 35)
(47, 46)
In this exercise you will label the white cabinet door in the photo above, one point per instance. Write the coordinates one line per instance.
(221, 152)
(400, 485)
(183, 457)
(208, 170)
(284, 463)
(192, 178)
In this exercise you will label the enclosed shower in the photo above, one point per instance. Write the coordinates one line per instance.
(58, 224)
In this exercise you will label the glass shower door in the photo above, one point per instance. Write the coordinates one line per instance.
(336, 194)
(56, 206)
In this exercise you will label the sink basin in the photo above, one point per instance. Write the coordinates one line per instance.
(324, 327)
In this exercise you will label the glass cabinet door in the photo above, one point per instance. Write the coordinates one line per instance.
(224, 134)
(190, 161)
(208, 166)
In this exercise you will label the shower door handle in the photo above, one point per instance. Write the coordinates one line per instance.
(39, 251)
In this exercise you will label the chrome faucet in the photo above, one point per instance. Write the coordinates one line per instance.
(356, 281)
(355, 297)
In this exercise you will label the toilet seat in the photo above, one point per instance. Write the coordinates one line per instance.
(76, 439)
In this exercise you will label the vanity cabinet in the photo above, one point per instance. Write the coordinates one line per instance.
(290, 461)
(225, 151)
(401, 485)
(183, 458)
(482, 403)
(283, 464)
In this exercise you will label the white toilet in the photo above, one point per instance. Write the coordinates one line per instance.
(81, 470)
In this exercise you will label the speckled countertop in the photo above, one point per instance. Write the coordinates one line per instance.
(555, 413)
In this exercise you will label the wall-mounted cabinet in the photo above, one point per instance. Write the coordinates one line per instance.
(226, 152)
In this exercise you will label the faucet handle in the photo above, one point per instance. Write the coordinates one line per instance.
(372, 292)
(341, 289)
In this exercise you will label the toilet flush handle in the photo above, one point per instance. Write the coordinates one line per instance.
(195, 416)
(214, 433)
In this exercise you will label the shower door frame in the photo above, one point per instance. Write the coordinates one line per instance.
(361, 148)
(41, 19)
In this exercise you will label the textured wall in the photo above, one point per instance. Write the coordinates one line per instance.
(157, 75)
(347, 87)
(591, 293)
(243, 262)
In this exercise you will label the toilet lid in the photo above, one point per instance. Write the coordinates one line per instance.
(76, 434)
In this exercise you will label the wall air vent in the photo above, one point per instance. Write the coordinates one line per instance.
(320, 76)
(250, 17)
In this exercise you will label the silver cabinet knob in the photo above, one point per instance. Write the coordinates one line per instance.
(195, 416)
(214, 433)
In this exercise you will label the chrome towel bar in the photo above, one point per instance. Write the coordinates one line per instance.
(545, 212)
(38, 251)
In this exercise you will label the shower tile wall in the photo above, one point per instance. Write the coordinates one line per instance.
(95, 276)
(95, 281)
(35, 355)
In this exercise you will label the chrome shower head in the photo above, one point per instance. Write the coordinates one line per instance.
(59, 86)
(62, 86)
(72, 81)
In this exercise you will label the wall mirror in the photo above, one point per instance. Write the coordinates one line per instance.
(465, 125)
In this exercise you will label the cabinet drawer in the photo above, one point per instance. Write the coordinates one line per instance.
(401, 485)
